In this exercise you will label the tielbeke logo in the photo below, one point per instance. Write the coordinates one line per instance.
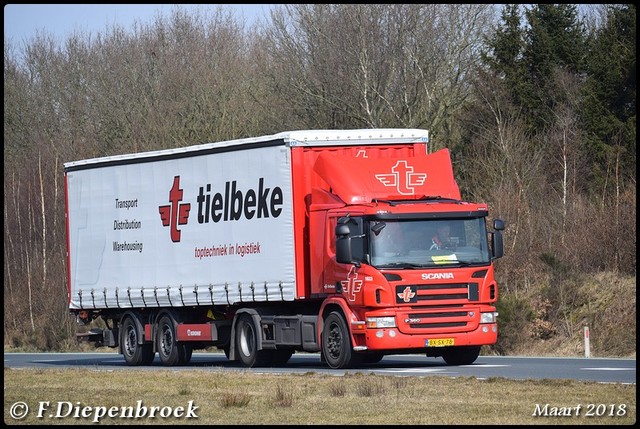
(352, 285)
(406, 295)
(175, 213)
(233, 204)
(403, 178)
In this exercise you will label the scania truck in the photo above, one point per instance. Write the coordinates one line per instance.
(304, 241)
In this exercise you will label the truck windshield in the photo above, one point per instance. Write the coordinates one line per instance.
(428, 243)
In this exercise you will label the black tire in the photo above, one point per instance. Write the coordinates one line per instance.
(170, 351)
(187, 352)
(336, 343)
(227, 350)
(148, 355)
(370, 358)
(134, 354)
(461, 355)
(281, 357)
(247, 344)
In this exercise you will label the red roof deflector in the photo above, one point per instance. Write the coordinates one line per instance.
(360, 180)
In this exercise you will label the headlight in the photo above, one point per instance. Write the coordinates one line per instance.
(381, 322)
(488, 317)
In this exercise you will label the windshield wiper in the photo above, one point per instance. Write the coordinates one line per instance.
(400, 265)
(378, 200)
(438, 198)
(468, 264)
(431, 264)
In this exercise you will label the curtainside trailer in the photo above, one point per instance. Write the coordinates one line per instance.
(352, 243)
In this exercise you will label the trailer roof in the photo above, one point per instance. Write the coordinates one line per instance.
(288, 138)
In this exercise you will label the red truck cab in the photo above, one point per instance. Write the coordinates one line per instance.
(378, 261)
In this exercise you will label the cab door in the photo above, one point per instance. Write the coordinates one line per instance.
(340, 278)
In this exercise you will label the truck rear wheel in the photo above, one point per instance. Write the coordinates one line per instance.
(461, 355)
(336, 343)
(247, 344)
(134, 354)
(171, 352)
(227, 350)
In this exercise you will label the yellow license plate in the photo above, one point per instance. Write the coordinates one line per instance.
(440, 342)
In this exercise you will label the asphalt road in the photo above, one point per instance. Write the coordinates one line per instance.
(601, 370)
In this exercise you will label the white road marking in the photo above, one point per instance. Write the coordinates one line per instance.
(416, 370)
(483, 365)
(609, 369)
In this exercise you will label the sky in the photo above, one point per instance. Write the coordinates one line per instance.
(23, 21)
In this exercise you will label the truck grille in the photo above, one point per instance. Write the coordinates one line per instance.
(446, 313)
(453, 293)
(433, 321)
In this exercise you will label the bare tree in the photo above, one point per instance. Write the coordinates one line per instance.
(178, 81)
(564, 145)
(374, 65)
(502, 165)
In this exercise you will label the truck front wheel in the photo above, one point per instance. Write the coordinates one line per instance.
(371, 358)
(171, 352)
(336, 343)
(461, 355)
(134, 354)
(247, 344)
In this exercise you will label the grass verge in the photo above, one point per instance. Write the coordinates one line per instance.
(80, 396)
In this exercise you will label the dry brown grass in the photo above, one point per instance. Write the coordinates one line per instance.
(246, 398)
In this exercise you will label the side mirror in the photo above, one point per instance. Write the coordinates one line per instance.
(342, 230)
(497, 243)
(344, 254)
(343, 244)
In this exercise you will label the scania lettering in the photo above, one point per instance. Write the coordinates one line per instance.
(320, 241)
(434, 276)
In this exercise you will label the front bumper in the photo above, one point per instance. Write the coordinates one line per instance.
(419, 328)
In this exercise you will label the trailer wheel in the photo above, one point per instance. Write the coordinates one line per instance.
(170, 351)
(187, 353)
(134, 354)
(247, 344)
(461, 355)
(336, 343)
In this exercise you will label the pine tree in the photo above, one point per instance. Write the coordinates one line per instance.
(554, 40)
(609, 101)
